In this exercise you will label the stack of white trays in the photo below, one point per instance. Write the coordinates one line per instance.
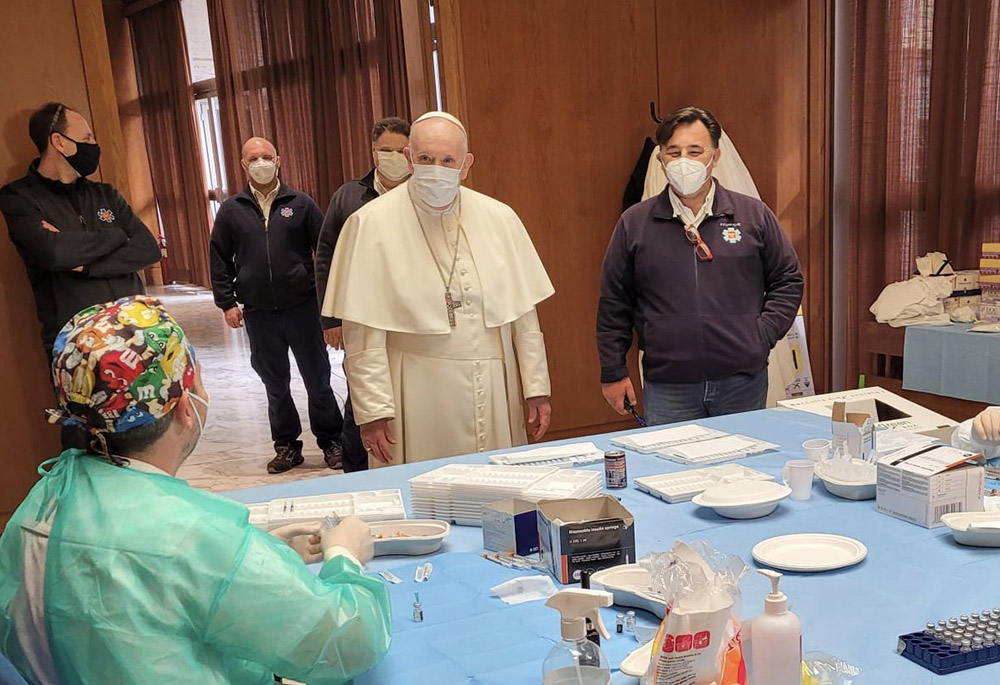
(651, 442)
(457, 492)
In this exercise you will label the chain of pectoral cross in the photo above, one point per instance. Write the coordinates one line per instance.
(450, 303)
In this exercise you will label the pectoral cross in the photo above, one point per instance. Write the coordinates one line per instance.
(452, 304)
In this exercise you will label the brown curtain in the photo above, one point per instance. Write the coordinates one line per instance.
(925, 142)
(312, 77)
(165, 97)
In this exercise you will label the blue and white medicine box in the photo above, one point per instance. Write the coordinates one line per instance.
(510, 526)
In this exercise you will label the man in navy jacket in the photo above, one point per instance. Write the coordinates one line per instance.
(705, 276)
(263, 245)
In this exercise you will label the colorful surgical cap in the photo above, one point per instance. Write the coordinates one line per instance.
(120, 365)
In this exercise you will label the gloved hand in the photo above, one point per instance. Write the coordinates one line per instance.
(986, 427)
(352, 534)
(304, 538)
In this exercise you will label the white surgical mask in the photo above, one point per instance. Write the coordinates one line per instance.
(201, 423)
(392, 165)
(262, 171)
(686, 175)
(436, 185)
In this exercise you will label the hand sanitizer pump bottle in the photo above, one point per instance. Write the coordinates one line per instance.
(775, 640)
(576, 660)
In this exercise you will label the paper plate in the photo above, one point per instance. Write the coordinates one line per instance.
(809, 552)
(412, 537)
(974, 528)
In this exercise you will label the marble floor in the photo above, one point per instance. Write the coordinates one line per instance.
(236, 446)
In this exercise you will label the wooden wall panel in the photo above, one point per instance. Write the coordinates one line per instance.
(763, 69)
(68, 30)
(126, 97)
(555, 96)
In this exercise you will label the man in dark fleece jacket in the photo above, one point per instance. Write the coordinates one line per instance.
(80, 241)
(262, 246)
(389, 137)
(705, 276)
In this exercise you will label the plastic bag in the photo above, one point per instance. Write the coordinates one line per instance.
(820, 668)
(699, 640)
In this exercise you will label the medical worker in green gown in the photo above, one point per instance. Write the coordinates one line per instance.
(115, 571)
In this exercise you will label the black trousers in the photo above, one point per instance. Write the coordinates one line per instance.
(355, 456)
(272, 334)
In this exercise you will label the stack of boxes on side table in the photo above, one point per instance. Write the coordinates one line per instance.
(989, 283)
(965, 291)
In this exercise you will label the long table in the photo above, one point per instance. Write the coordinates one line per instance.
(912, 575)
(952, 361)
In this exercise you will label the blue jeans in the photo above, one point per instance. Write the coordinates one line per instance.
(672, 402)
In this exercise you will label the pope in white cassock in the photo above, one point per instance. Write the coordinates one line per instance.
(437, 285)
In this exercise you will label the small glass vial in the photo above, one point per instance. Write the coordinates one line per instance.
(630, 622)
(977, 643)
(990, 641)
(942, 624)
(418, 609)
(929, 630)
(620, 623)
(967, 645)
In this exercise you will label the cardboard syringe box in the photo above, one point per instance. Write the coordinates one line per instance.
(577, 535)
(893, 411)
(854, 428)
(510, 526)
(920, 484)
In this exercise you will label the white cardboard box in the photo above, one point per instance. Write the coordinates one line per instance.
(854, 428)
(893, 411)
(920, 484)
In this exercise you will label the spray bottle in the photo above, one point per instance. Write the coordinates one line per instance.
(576, 660)
(775, 640)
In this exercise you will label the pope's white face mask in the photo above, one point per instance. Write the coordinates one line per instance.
(262, 171)
(685, 175)
(436, 185)
(392, 165)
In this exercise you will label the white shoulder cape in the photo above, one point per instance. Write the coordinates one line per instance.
(383, 275)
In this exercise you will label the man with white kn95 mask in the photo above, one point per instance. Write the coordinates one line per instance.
(436, 286)
(263, 251)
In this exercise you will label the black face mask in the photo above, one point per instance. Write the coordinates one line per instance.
(86, 158)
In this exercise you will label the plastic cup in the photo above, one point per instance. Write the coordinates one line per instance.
(798, 475)
(816, 450)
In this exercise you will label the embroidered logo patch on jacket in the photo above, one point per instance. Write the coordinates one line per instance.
(105, 215)
(286, 212)
(732, 235)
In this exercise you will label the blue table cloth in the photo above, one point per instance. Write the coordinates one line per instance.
(912, 575)
(952, 361)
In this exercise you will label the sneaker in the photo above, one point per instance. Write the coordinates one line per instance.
(334, 456)
(286, 457)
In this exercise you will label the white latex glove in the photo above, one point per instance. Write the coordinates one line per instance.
(304, 538)
(986, 427)
(352, 534)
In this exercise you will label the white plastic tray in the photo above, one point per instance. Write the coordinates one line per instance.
(681, 486)
(649, 442)
(370, 505)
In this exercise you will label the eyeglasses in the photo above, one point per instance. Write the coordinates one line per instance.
(700, 248)
(55, 119)
(630, 408)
